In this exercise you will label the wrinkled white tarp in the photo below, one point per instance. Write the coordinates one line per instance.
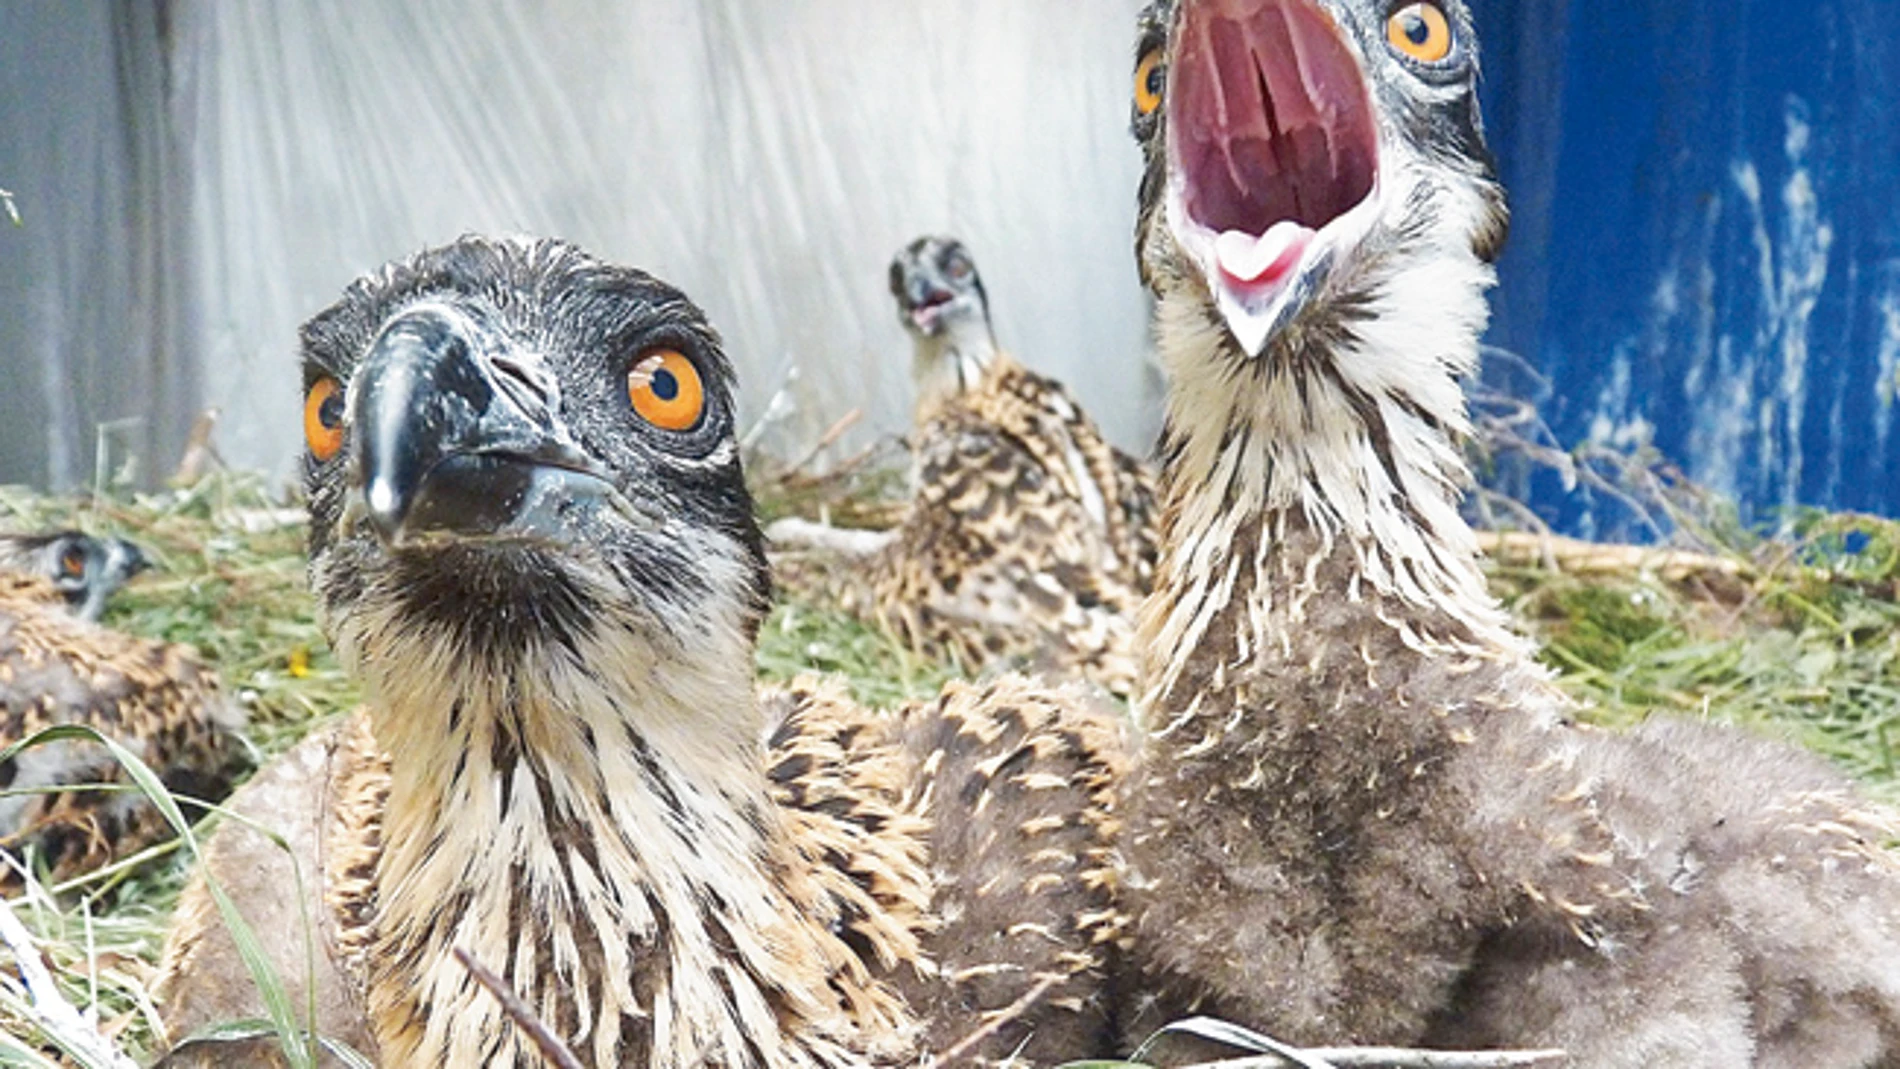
(766, 155)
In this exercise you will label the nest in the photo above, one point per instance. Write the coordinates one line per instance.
(1796, 634)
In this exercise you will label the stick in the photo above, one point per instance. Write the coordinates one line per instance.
(828, 439)
(58, 1017)
(1593, 558)
(990, 1027)
(1394, 1058)
(524, 1018)
(798, 480)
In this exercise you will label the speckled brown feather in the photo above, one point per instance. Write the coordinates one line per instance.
(999, 559)
(961, 849)
(155, 698)
(584, 792)
(1017, 781)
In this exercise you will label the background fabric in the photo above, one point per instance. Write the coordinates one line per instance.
(1705, 253)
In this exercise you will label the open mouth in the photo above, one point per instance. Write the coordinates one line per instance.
(1272, 143)
(925, 312)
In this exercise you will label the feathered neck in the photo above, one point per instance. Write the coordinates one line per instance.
(950, 362)
(1327, 467)
(592, 822)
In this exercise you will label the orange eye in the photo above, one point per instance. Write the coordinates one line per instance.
(323, 418)
(1421, 31)
(72, 563)
(665, 389)
(1150, 80)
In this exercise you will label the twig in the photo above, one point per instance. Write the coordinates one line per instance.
(795, 533)
(57, 1016)
(827, 440)
(1577, 557)
(13, 211)
(799, 480)
(990, 1027)
(524, 1018)
(1270, 1053)
(1394, 1058)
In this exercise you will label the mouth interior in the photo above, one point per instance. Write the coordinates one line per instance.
(933, 300)
(1270, 118)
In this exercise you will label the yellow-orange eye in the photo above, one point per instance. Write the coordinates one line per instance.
(323, 418)
(1150, 79)
(665, 389)
(72, 563)
(1421, 31)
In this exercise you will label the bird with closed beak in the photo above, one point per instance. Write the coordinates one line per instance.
(532, 543)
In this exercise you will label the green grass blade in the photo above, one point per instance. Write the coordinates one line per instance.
(269, 987)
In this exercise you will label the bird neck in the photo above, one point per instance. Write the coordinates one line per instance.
(952, 361)
(592, 823)
(1311, 494)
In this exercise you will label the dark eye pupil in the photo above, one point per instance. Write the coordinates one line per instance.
(330, 412)
(666, 387)
(1154, 80)
(1417, 30)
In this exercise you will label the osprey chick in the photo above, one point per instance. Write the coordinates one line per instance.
(155, 698)
(85, 570)
(1363, 814)
(532, 542)
(1028, 538)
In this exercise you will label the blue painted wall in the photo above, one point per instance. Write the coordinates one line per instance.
(1706, 244)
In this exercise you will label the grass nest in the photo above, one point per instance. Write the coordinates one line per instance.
(1797, 636)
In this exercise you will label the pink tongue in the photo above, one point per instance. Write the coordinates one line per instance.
(1248, 259)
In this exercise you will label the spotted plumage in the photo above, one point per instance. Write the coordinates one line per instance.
(85, 570)
(1028, 538)
(1363, 813)
(532, 542)
(156, 699)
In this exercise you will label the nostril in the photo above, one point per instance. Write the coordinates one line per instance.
(529, 387)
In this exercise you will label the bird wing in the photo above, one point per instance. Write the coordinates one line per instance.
(1004, 552)
(1016, 781)
(964, 847)
(1117, 489)
(859, 869)
(154, 698)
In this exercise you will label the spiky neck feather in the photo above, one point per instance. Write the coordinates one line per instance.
(590, 821)
(952, 360)
(1339, 445)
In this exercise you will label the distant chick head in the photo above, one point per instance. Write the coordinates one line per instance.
(937, 288)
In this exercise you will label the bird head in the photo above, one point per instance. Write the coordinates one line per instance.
(937, 288)
(515, 449)
(1300, 153)
(86, 571)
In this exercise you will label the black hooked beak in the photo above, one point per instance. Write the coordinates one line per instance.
(131, 559)
(452, 439)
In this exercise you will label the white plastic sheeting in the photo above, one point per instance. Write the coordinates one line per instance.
(766, 155)
(88, 323)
